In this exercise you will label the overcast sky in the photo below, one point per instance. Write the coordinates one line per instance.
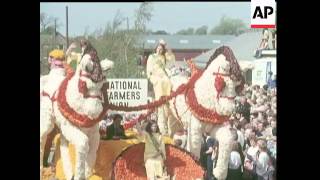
(168, 16)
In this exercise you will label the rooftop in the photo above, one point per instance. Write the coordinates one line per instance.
(186, 42)
(243, 48)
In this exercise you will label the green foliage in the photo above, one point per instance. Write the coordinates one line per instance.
(48, 30)
(189, 31)
(121, 45)
(161, 32)
(229, 26)
(202, 30)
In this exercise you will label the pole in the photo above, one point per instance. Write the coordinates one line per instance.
(55, 31)
(127, 23)
(67, 23)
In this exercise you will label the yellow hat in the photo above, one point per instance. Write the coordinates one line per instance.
(57, 54)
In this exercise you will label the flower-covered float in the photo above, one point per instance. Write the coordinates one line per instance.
(179, 164)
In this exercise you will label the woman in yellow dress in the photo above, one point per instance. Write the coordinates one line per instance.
(158, 65)
(154, 151)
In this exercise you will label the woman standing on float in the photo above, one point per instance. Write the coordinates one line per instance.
(157, 72)
(154, 151)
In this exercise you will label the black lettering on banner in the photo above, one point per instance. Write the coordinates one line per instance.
(122, 95)
(124, 104)
(129, 85)
(112, 85)
(138, 95)
(110, 96)
(135, 85)
(117, 82)
(133, 95)
(115, 95)
(124, 85)
(128, 95)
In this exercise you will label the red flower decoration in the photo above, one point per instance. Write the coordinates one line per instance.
(202, 113)
(179, 163)
(82, 86)
(219, 84)
(69, 113)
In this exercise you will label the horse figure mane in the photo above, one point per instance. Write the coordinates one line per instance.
(96, 73)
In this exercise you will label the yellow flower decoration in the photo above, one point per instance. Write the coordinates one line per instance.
(57, 54)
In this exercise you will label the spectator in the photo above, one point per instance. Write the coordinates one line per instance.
(210, 145)
(254, 120)
(261, 124)
(272, 147)
(235, 138)
(244, 108)
(235, 163)
(249, 169)
(260, 129)
(255, 92)
(116, 130)
(263, 44)
(271, 128)
(274, 127)
(178, 142)
(264, 167)
(103, 128)
(265, 87)
(181, 138)
(240, 135)
(247, 132)
(269, 111)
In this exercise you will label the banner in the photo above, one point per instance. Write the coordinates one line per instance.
(127, 92)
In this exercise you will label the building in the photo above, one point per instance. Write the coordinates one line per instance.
(184, 46)
(243, 47)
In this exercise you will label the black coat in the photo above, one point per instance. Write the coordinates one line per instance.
(244, 109)
(112, 131)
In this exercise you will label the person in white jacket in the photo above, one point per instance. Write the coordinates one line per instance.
(48, 87)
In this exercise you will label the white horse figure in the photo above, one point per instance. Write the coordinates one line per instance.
(224, 65)
(82, 101)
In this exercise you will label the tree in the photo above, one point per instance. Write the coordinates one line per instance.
(45, 21)
(120, 44)
(201, 30)
(48, 24)
(143, 15)
(189, 31)
(229, 26)
(161, 32)
(48, 30)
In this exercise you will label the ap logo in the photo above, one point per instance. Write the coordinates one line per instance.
(263, 14)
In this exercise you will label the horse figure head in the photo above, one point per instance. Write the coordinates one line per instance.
(84, 91)
(221, 81)
(91, 67)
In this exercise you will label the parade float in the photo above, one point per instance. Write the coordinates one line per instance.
(202, 102)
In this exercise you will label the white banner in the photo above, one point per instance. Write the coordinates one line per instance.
(127, 92)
